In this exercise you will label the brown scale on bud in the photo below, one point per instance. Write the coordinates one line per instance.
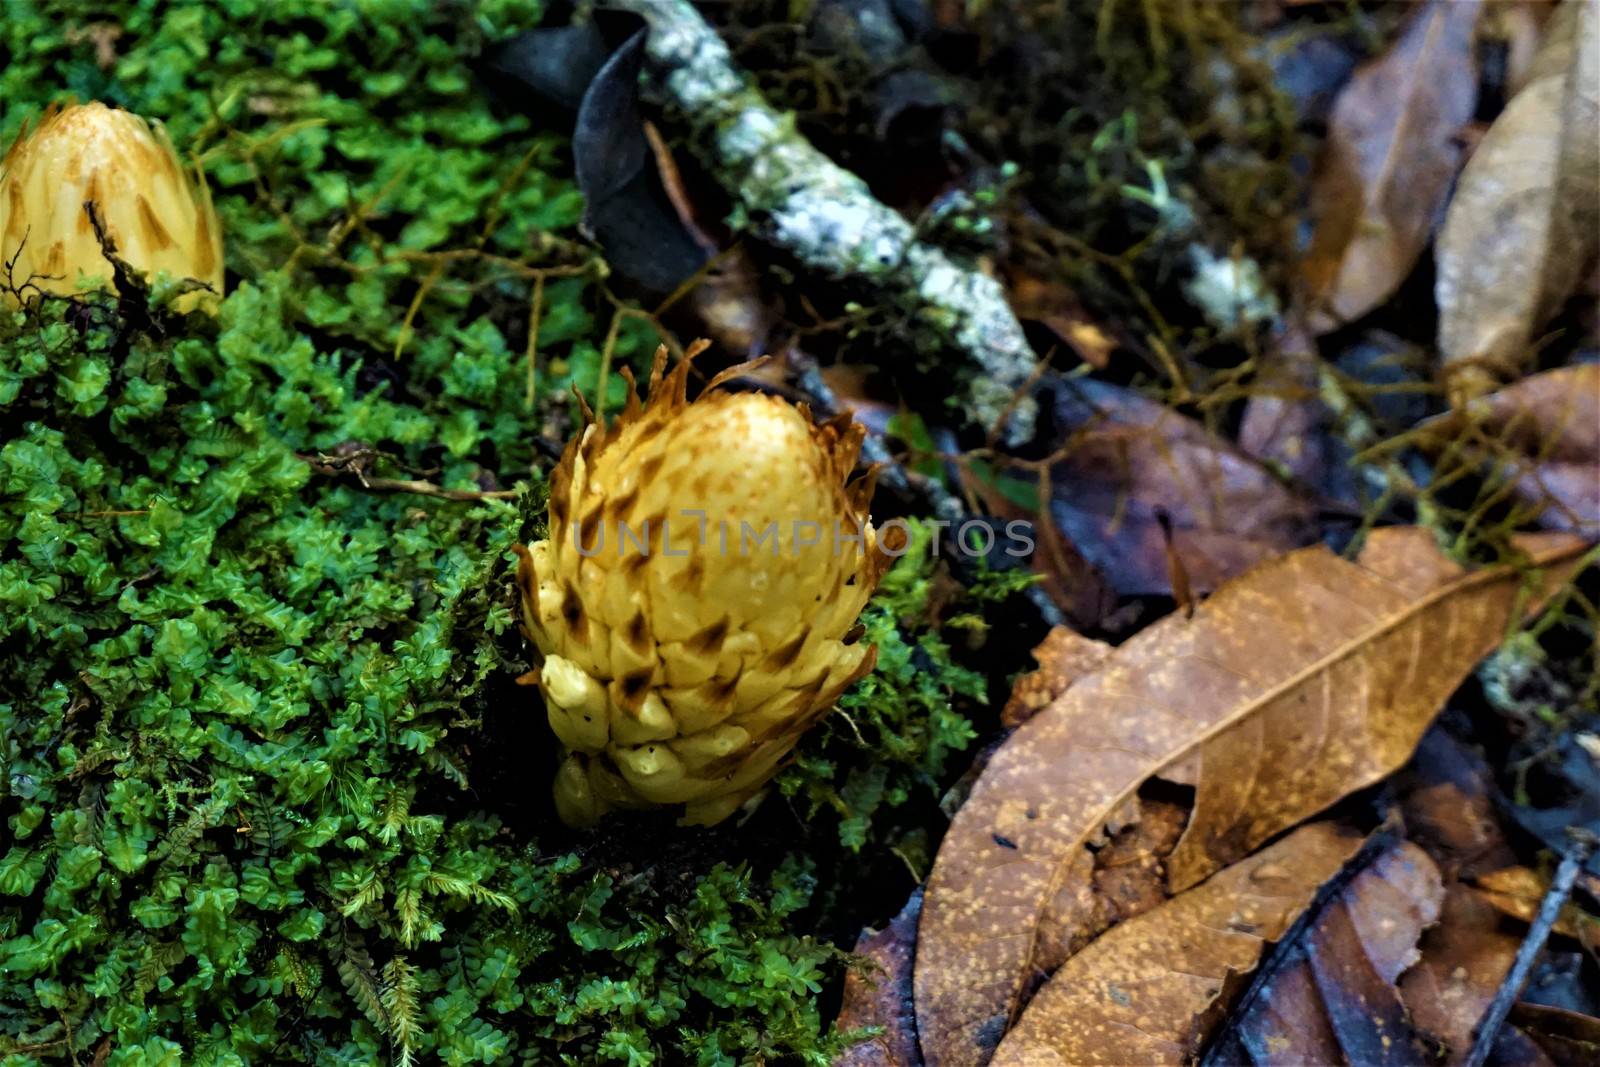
(154, 216)
(695, 602)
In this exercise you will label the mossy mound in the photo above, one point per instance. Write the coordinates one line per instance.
(267, 794)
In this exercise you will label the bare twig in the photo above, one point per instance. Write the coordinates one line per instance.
(1538, 932)
(535, 314)
(351, 467)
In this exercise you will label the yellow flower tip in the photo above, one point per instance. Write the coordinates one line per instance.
(155, 216)
(694, 605)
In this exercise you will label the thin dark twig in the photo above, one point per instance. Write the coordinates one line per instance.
(1511, 988)
(340, 466)
(1290, 947)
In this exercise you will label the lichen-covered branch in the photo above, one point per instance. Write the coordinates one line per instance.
(826, 217)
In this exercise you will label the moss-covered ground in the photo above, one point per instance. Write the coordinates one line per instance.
(267, 793)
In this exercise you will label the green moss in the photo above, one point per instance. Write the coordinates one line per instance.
(243, 816)
(233, 693)
(886, 750)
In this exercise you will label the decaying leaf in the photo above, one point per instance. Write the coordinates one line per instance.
(1518, 891)
(1143, 992)
(1391, 153)
(1305, 679)
(1465, 956)
(1285, 422)
(1071, 582)
(1524, 224)
(1055, 307)
(725, 293)
(1446, 801)
(882, 998)
(1329, 996)
(1360, 701)
(1568, 1038)
(1125, 878)
(1543, 433)
(1126, 459)
(1063, 656)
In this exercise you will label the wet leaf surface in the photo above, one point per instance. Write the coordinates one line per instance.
(1391, 154)
(1142, 993)
(1329, 996)
(1125, 460)
(1367, 653)
(1524, 223)
(881, 997)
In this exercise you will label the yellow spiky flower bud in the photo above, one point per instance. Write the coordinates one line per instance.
(156, 218)
(695, 602)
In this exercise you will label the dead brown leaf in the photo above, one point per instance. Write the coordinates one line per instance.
(725, 294)
(1465, 957)
(1125, 878)
(1388, 163)
(1544, 434)
(1285, 420)
(1056, 307)
(1144, 991)
(1126, 460)
(882, 997)
(1305, 679)
(1063, 656)
(1377, 629)
(1330, 997)
(1568, 1038)
(1524, 225)
(1518, 891)
(1445, 796)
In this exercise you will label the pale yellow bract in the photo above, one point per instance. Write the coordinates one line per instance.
(157, 218)
(685, 670)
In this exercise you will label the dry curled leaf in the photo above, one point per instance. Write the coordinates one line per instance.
(1294, 685)
(1144, 992)
(1524, 224)
(1329, 995)
(1391, 153)
(882, 997)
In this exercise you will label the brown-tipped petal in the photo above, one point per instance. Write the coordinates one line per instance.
(706, 663)
(157, 219)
